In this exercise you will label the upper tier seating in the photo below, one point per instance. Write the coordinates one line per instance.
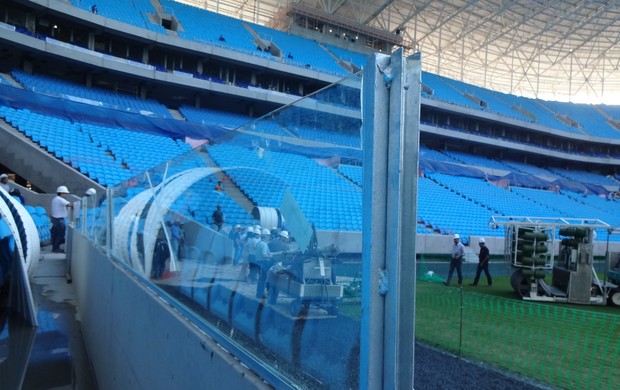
(208, 27)
(442, 90)
(590, 120)
(492, 99)
(540, 114)
(358, 59)
(304, 52)
(612, 111)
(132, 12)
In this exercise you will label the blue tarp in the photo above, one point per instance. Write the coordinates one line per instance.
(85, 113)
(516, 179)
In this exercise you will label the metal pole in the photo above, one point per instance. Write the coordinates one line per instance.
(375, 96)
(391, 111)
(109, 222)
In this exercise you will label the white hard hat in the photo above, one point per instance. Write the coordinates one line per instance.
(481, 240)
(62, 190)
(4, 176)
(90, 192)
(250, 230)
(238, 226)
(284, 233)
(266, 232)
(456, 236)
(257, 227)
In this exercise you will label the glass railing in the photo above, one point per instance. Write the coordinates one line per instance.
(259, 236)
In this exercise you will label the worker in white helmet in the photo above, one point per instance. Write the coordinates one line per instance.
(483, 263)
(59, 208)
(458, 251)
(263, 259)
(279, 247)
(246, 241)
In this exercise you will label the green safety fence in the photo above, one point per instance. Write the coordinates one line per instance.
(560, 346)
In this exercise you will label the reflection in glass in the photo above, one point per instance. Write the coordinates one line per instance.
(259, 233)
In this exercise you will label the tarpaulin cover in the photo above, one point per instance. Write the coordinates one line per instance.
(85, 113)
(516, 179)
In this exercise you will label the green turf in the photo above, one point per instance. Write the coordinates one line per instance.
(559, 344)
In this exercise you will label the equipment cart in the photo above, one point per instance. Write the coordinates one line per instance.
(562, 249)
(309, 280)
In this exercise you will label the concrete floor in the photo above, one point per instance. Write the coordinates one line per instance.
(52, 355)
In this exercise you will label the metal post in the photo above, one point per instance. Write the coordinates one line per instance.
(391, 112)
(109, 221)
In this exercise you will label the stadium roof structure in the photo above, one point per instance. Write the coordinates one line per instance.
(564, 50)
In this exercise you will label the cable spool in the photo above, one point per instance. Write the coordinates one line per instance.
(570, 242)
(534, 274)
(541, 247)
(527, 250)
(520, 284)
(536, 261)
(525, 231)
(538, 236)
(574, 232)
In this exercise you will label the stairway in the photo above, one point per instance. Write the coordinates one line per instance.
(35, 164)
(230, 188)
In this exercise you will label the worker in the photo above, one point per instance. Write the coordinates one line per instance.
(458, 251)
(483, 263)
(59, 212)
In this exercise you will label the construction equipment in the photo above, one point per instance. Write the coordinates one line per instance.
(308, 279)
(613, 274)
(560, 248)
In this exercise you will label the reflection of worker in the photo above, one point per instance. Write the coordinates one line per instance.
(278, 246)
(251, 247)
(458, 251)
(263, 259)
(235, 235)
(246, 240)
(483, 263)
(176, 238)
(161, 253)
(218, 217)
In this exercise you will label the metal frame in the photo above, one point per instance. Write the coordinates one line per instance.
(574, 293)
(391, 115)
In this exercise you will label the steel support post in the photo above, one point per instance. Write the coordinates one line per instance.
(391, 116)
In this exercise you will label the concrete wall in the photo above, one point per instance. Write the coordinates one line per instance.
(351, 242)
(136, 341)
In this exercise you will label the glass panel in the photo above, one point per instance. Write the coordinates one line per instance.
(259, 233)
(91, 220)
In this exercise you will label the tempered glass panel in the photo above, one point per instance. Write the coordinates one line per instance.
(258, 232)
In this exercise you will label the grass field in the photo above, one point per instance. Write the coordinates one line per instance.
(567, 346)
